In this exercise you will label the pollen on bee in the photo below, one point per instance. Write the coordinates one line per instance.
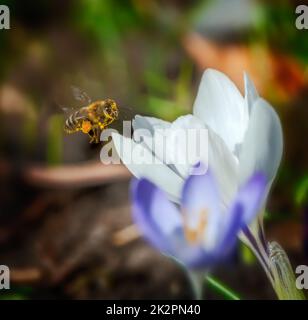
(86, 126)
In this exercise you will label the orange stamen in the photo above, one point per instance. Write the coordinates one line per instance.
(194, 235)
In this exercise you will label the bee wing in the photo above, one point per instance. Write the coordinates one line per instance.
(66, 109)
(81, 95)
(66, 101)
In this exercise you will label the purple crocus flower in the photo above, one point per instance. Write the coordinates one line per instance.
(199, 233)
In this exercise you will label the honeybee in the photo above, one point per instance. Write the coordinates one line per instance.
(93, 118)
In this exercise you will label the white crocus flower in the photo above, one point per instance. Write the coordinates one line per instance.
(244, 136)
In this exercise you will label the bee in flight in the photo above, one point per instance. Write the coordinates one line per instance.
(93, 118)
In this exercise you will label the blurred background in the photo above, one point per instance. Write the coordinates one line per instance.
(62, 212)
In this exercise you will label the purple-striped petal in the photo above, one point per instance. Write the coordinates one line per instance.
(192, 255)
(251, 196)
(154, 214)
(162, 225)
(233, 224)
(200, 192)
(200, 201)
(165, 228)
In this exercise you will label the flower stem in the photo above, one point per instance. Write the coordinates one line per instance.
(196, 280)
(219, 287)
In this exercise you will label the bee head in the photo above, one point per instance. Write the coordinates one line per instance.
(111, 108)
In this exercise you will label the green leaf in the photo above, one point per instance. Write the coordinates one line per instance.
(301, 192)
(221, 289)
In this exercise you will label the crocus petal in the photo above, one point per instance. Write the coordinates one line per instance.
(169, 142)
(201, 203)
(224, 167)
(196, 258)
(157, 172)
(201, 192)
(251, 93)
(220, 105)
(188, 121)
(233, 222)
(185, 143)
(250, 197)
(262, 147)
(154, 214)
(161, 224)
(150, 123)
(205, 256)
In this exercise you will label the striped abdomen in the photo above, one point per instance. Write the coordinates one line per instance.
(73, 122)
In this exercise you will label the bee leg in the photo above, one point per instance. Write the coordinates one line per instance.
(96, 134)
(91, 134)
